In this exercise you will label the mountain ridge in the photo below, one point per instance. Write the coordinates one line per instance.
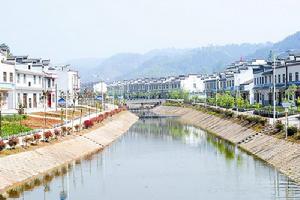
(172, 61)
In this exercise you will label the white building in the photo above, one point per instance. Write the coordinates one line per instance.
(68, 82)
(100, 87)
(7, 81)
(35, 86)
(193, 83)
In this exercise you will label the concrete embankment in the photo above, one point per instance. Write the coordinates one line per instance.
(283, 155)
(19, 168)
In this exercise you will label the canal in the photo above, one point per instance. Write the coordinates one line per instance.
(161, 159)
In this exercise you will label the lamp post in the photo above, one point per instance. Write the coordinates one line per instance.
(45, 93)
(67, 94)
(274, 90)
(216, 91)
(102, 96)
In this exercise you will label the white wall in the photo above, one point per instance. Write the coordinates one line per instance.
(193, 84)
(99, 86)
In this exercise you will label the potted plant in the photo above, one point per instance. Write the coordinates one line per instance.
(13, 141)
(64, 130)
(26, 140)
(2, 145)
(37, 137)
(77, 127)
(47, 136)
(56, 133)
(88, 123)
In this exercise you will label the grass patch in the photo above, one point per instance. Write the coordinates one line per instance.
(13, 128)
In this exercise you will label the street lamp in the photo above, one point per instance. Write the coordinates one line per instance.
(216, 91)
(274, 90)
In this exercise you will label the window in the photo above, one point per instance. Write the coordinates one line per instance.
(4, 76)
(18, 78)
(290, 77)
(266, 80)
(297, 76)
(262, 80)
(29, 67)
(34, 100)
(283, 78)
(19, 99)
(40, 79)
(24, 78)
(34, 79)
(29, 84)
(53, 83)
(11, 77)
(275, 79)
(279, 81)
(270, 79)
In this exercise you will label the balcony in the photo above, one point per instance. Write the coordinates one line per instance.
(7, 86)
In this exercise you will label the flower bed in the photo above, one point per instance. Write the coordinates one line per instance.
(34, 139)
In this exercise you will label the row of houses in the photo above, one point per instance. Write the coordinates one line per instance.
(253, 80)
(33, 83)
(156, 87)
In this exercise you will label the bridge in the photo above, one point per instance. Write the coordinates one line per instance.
(142, 107)
(137, 104)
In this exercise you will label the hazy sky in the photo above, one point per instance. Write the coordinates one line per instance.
(66, 29)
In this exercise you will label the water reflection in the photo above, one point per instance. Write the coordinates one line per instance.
(164, 159)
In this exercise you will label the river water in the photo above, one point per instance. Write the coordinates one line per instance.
(161, 159)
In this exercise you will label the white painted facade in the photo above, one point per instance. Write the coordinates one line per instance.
(7, 85)
(100, 87)
(35, 87)
(193, 84)
(68, 82)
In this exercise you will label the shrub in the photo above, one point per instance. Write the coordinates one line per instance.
(47, 135)
(64, 130)
(241, 117)
(228, 114)
(27, 140)
(279, 126)
(69, 130)
(77, 127)
(56, 132)
(37, 137)
(2, 145)
(13, 141)
(88, 123)
(101, 117)
(297, 136)
(291, 130)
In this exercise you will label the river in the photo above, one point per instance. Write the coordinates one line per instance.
(161, 159)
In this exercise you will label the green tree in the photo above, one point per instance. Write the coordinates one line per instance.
(290, 92)
(240, 103)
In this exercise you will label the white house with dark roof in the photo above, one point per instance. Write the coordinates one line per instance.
(68, 82)
(7, 81)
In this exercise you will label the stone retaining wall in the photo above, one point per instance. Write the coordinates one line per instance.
(20, 167)
(283, 155)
